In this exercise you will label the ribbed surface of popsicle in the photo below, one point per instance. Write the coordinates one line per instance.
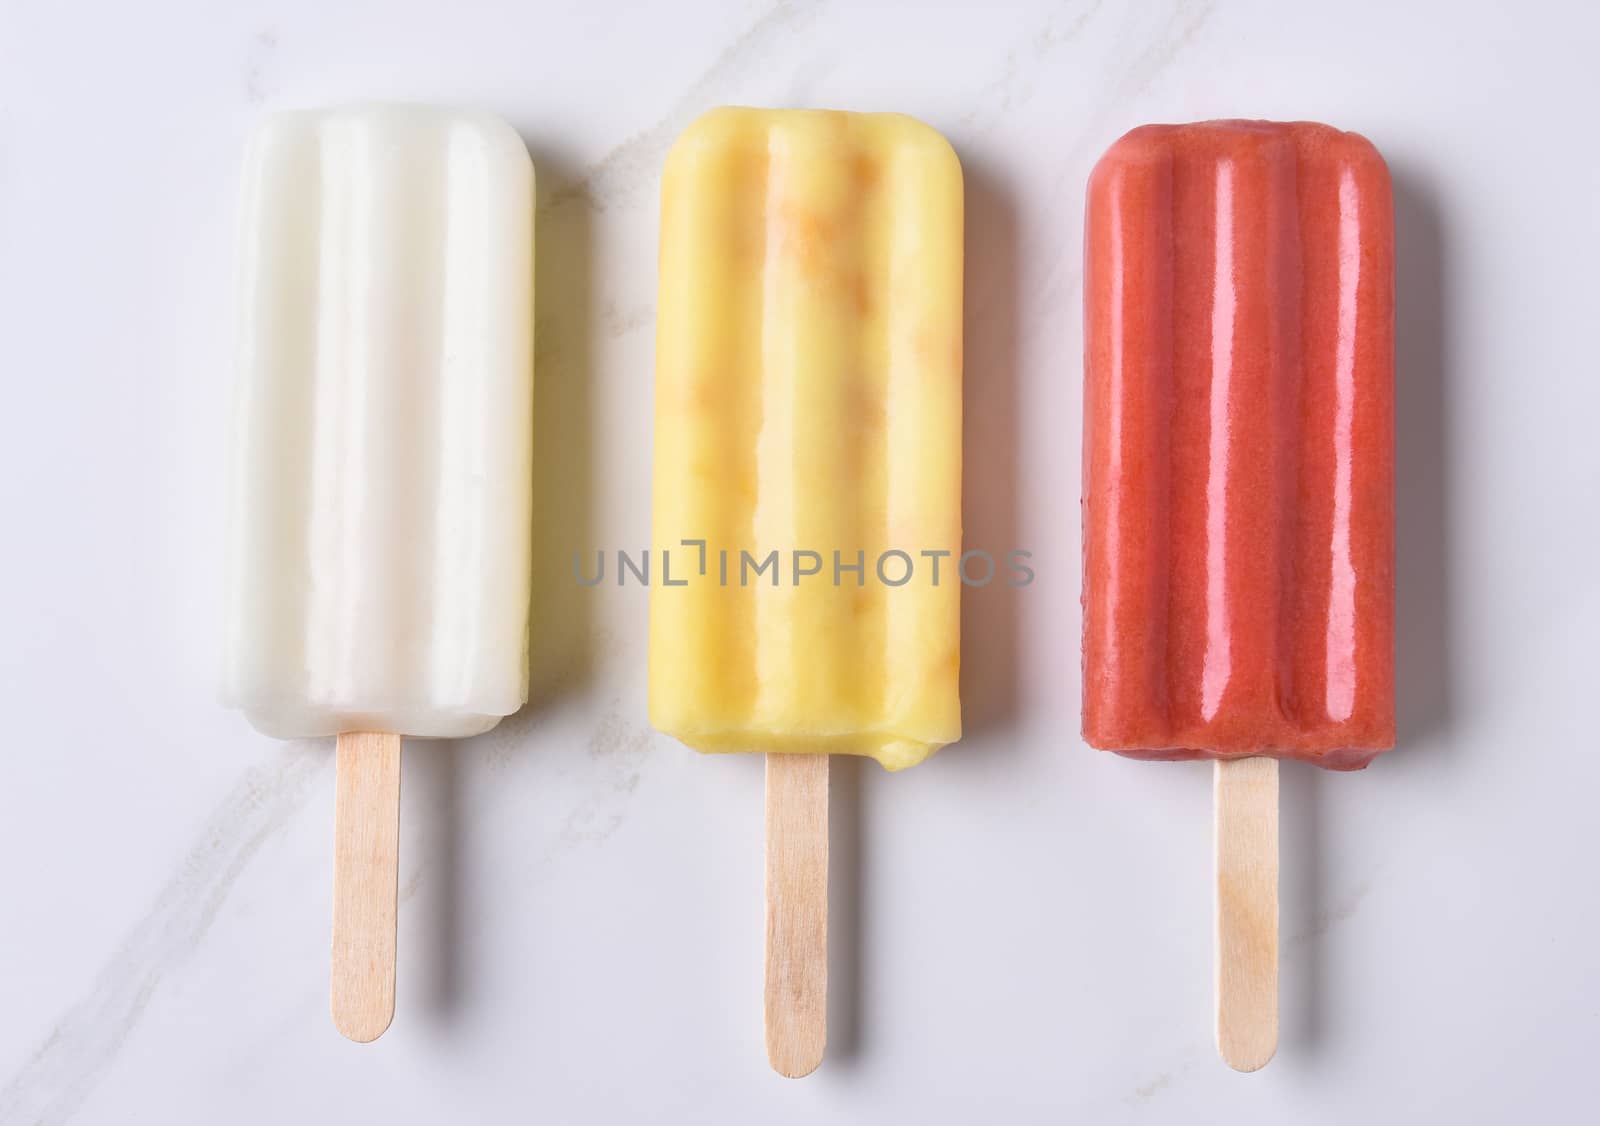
(380, 546)
(808, 399)
(1239, 445)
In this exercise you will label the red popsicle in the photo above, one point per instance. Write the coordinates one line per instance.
(1238, 499)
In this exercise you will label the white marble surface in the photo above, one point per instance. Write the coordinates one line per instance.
(1022, 925)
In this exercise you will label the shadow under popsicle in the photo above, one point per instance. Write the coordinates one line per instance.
(560, 636)
(846, 906)
(1423, 671)
(989, 614)
(1302, 918)
(430, 794)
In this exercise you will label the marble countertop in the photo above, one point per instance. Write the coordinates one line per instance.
(1022, 927)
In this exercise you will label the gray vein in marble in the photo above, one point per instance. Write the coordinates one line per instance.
(1164, 1081)
(634, 164)
(51, 1086)
(1159, 55)
(1159, 1083)
(621, 747)
(1340, 912)
(409, 888)
(621, 322)
(263, 47)
(1180, 31)
(1008, 90)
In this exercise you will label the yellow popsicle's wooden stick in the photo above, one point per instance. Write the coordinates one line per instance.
(797, 912)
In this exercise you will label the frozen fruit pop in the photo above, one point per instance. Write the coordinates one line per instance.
(1238, 499)
(808, 398)
(379, 554)
(1239, 445)
(808, 403)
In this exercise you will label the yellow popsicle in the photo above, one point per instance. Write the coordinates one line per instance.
(808, 403)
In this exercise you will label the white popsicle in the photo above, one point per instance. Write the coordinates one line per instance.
(382, 450)
(380, 546)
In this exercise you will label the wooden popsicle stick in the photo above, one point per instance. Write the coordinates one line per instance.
(796, 994)
(1247, 911)
(366, 867)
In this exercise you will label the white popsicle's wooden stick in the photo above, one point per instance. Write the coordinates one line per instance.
(1247, 911)
(366, 866)
(797, 912)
